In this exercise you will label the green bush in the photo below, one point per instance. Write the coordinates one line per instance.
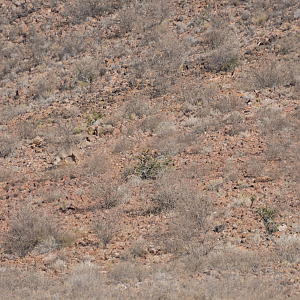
(148, 166)
(268, 216)
(229, 66)
(78, 130)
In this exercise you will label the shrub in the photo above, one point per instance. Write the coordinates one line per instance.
(268, 215)
(87, 281)
(289, 246)
(127, 273)
(71, 46)
(167, 193)
(189, 227)
(6, 145)
(155, 123)
(88, 8)
(137, 107)
(106, 193)
(167, 143)
(28, 229)
(223, 54)
(106, 228)
(224, 58)
(229, 65)
(78, 130)
(95, 116)
(269, 75)
(27, 130)
(123, 144)
(148, 167)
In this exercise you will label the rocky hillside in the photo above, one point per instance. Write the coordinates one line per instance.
(186, 117)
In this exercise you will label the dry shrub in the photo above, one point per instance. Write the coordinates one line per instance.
(106, 227)
(42, 90)
(28, 229)
(215, 37)
(226, 104)
(6, 175)
(163, 61)
(233, 259)
(154, 123)
(169, 143)
(18, 284)
(128, 19)
(236, 287)
(231, 172)
(97, 164)
(106, 193)
(275, 151)
(122, 145)
(287, 44)
(80, 10)
(167, 56)
(208, 124)
(255, 168)
(7, 145)
(269, 74)
(27, 130)
(49, 196)
(61, 134)
(193, 171)
(137, 107)
(272, 121)
(86, 71)
(71, 46)
(191, 94)
(291, 163)
(166, 143)
(223, 54)
(11, 112)
(288, 248)
(190, 228)
(236, 123)
(127, 273)
(137, 249)
(87, 281)
(39, 46)
(167, 192)
(58, 173)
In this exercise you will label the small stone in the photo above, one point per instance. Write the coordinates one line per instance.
(219, 228)
(206, 272)
(152, 250)
(282, 228)
(37, 141)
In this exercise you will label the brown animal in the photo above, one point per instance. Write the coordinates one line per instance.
(67, 151)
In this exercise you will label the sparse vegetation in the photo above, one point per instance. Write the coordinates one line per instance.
(30, 229)
(148, 166)
(210, 209)
(106, 193)
(268, 215)
(106, 228)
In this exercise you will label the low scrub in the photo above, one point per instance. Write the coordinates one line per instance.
(29, 229)
(148, 166)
